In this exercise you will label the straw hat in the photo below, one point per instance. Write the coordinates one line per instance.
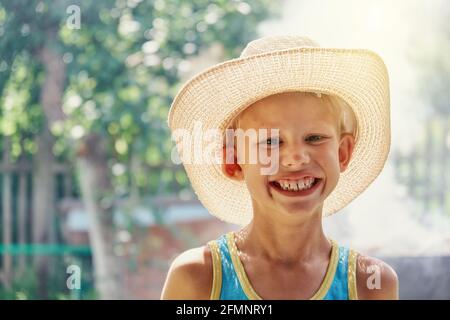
(272, 65)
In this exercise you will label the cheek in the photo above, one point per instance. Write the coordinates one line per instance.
(251, 172)
(246, 154)
(253, 178)
(330, 161)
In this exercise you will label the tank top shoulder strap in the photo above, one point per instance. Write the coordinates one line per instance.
(226, 285)
(352, 265)
(344, 282)
(217, 270)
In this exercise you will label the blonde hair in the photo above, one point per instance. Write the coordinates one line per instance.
(337, 106)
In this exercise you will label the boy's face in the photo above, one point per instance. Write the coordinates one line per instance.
(309, 145)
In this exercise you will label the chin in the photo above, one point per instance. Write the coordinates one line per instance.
(301, 209)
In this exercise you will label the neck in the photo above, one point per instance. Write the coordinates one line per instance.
(285, 243)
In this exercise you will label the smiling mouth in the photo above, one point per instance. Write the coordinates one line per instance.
(296, 190)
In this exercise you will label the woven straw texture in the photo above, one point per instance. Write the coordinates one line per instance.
(277, 64)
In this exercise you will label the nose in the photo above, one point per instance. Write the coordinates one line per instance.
(294, 157)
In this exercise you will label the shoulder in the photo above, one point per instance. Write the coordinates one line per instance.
(190, 275)
(376, 280)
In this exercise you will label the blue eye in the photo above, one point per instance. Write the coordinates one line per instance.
(271, 141)
(310, 138)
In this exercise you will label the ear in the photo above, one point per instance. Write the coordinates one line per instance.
(346, 146)
(230, 167)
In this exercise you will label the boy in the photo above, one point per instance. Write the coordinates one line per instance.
(327, 111)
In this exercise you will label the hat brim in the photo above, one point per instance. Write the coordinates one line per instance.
(217, 95)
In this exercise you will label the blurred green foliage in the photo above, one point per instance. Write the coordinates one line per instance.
(122, 71)
(25, 283)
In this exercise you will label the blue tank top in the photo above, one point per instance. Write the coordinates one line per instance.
(230, 281)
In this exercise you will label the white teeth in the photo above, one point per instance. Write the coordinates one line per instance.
(297, 185)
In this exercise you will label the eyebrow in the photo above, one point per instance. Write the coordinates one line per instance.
(321, 124)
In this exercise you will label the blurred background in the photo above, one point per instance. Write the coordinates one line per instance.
(91, 205)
